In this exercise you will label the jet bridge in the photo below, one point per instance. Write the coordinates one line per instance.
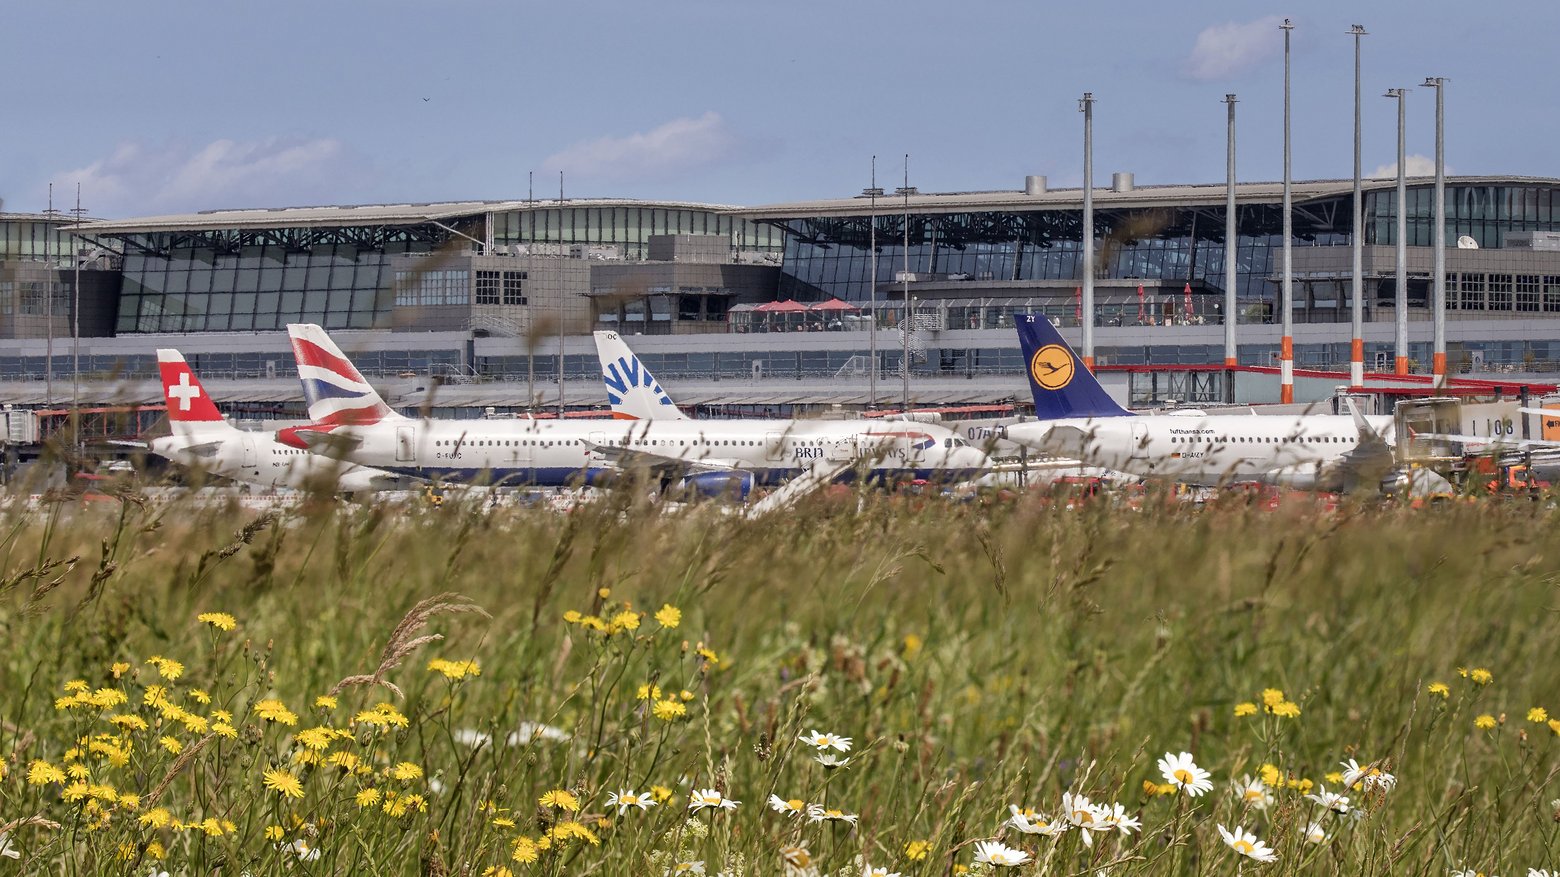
(1417, 419)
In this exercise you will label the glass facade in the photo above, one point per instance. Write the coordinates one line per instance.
(27, 238)
(1484, 213)
(629, 227)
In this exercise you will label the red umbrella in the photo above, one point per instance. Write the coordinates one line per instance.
(1140, 304)
(1188, 301)
(788, 306)
(833, 304)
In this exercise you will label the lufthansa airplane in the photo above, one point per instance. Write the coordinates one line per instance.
(1078, 419)
(715, 457)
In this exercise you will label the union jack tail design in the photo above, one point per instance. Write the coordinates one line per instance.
(337, 394)
(635, 394)
(188, 402)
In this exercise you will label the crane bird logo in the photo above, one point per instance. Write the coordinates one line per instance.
(1051, 367)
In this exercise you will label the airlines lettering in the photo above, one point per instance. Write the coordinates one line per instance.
(803, 453)
(1178, 431)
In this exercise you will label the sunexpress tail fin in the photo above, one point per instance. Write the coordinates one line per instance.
(632, 390)
(1062, 387)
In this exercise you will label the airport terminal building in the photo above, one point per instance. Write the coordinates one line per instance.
(495, 294)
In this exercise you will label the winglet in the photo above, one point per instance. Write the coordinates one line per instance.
(337, 393)
(632, 390)
(188, 401)
(1367, 432)
(1061, 385)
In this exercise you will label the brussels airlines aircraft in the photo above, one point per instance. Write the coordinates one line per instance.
(1078, 419)
(201, 439)
(712, 456)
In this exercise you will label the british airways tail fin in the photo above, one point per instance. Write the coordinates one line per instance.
(1062, 387)
(635, 394)
(190, 408)
(337, 394)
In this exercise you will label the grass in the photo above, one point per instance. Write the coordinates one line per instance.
(978, 657)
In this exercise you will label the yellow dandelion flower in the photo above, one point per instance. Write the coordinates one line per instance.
(171, 744)
(129, 801)
(119, 668)
(77, 771)
(1270, 774)
(454, 669)
(669, 710)
(317, 738)
(668, 616)
(1484, 722)
(325, 702)
(911, 646)
(366, 797)
(219, 620)
(274, 833)
(212, 827)
(916, 850)
(1335, 777)
(223, 729)
(1245, 709)
(560, 798)
(1538, 714)
(41, 773)
(222, 716)
(497, 871)
(1286, 710)
(707, 654)
(1554, 725)
(571, 830)
(156, 851)
(1479, 675)
(591, 622)
(344, 760)
(272, 710)
(167, 668)
(406, 770)
(109, 697)
(284, 783)
(158, 817)
(661, 794)
(572, 617)
(648, 692)
(1272, 697)
(384, 716)
(75, 792)
(200, 695)
(685, 694)
(78, 686)
(525, 850)
(193, 723)
(1440, 688)
(625, 620)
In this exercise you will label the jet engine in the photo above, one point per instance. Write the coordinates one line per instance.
(720, 485)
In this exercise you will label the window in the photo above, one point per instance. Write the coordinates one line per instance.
(1527, 292)
(487, 287)
(514, 287)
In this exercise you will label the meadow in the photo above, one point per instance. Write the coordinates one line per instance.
(872, 686)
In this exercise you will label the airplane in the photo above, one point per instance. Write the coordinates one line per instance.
(823, 450)
(711, 457)
(201, 439)
(1079, 419)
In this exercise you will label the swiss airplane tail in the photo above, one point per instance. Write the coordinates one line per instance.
(1062, 387)
(634, 393)
(337, 394)
(190, 408)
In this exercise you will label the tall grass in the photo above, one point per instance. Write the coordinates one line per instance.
(978, 657)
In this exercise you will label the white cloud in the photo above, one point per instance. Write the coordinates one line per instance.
(661, 152)
(1226, 49)
(140, 179)
(1416, 165)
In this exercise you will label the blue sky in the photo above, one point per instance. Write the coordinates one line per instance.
(159, 107)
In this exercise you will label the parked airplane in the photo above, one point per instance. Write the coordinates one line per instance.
(714, 457)
(1078, 419)
(201, 439)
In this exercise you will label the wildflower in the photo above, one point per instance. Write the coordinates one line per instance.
(119, 668)
(572, 617)
(1314, 833)
(529, 731)
(661, 794)
(820, 813)
(406, 770)
(1331, 800)
(571, 830)
(1554, 725)
(788, 807)
(41, 773)
(1286, 710)
(648, 692)
(830, 761)
(316, 738)
(561, 799)
(1027, 821)
(382, 716)
(1245, 709)
(911, 646)
(223, 729)
(869, 871)
(990, 852)
(626, 798)
(108, 698)
(497, 871)
(1538, 714)
(1270, 774)
(171, 744)
(668, 616)
(158, 817)
(1479, 675)
(302, 851)
(274, 832)
(275, 711)
(1368, 777)
(284, 783)
(1252, 792)
(454, 669)
(1246, 844)
(524, 850)
(1484, 722)
(200, 695)
(219, 620)
(1084, 815)
(1185, 774)
(688, 868)
(625, 620)
(366, 797)
(669, 710)
(707, 654)
(1272, 697)
(702, 799)
(821, 741)
(917, 850)
(1440, 688)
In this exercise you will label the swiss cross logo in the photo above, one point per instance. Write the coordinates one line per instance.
(184, 391)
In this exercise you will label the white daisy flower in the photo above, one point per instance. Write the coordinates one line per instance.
(1115, 816)
(529, 731)
(626, 798)
(685, 868)
(701, 799)
(1246, 844)
(1314, 833)
(820, 813)
(1368, 777)
(1027, 821)
(1467, 872)
(1331, 800)
(830, 761)
(869, 871)
(798, 862)
(8, 849)
(1252, 792)
(1083, 814)
(820, 740)
(1183, 773)
(301, 849)
(788, 807)
(990, 852)
(1540, 872)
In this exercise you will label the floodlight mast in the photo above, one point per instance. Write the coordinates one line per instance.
(1286, 353)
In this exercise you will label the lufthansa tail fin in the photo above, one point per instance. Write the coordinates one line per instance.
(337, 394)
(1062, 387)
(189, 405)
(635, 394)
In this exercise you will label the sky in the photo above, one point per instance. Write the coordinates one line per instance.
(161, 107)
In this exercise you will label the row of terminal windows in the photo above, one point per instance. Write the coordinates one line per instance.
(501, 287)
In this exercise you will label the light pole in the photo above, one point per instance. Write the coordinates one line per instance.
(873, 192)
(1086, 296)
(1286, 350)
(904, 324)
(1400, 301)
(1357, 279)
(1230, 231)
(1438, 360)
(75, 316)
